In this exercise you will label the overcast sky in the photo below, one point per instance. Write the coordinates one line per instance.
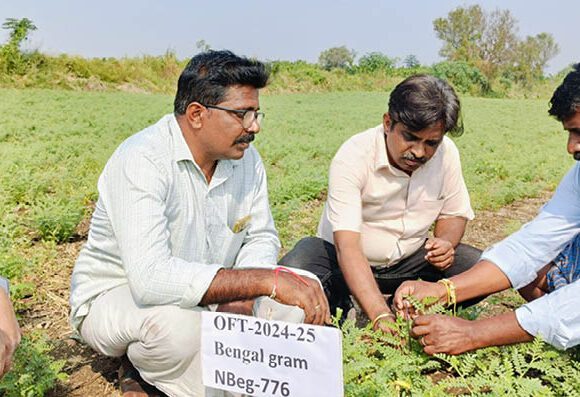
(271, 30)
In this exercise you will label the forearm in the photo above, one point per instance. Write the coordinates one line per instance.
(497, 331)
(238, 285)
(483, 278)
(450, 229)
(360, 279)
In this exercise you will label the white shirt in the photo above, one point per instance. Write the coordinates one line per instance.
(555, 316)
(159, 227)
(390, 209)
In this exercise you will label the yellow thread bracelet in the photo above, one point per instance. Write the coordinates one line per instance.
(450, 288)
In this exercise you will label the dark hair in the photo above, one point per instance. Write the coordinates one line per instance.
(421, 100)
(566, 99)
(207, 76)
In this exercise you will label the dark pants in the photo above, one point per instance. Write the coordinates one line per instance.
(319, 257)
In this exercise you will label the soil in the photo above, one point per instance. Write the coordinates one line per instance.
(93, 375)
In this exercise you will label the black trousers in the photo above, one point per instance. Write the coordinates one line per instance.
(319, 257)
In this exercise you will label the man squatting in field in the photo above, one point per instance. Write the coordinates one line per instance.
(542, 260)
(387, 186)
(183, 222)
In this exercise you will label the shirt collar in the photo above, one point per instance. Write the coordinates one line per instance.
(181, 150)
(381, 157)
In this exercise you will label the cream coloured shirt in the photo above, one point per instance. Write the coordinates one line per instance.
(390, 209)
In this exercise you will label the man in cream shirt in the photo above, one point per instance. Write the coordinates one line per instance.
(387, 187)
(183, 223)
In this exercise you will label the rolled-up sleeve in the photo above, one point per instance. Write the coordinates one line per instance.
(344, 202)
(135, 192)
(555, 317)
(456, 197)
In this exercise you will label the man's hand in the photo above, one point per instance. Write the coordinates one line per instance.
(305, 293)
(238, 307)
(419, 290)
(443, 334)
(440, 253)
(9, 333)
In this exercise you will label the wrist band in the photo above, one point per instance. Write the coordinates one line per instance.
(380, 317)
(283, 269)
(450, 288)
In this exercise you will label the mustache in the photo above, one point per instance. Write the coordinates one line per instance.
(411, 156)
(245, 139)
(577, 156)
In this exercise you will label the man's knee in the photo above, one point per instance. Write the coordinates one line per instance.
(172, 335)
(304, 252)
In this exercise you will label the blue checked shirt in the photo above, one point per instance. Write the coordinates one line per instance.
(555, 316)
(159, 227)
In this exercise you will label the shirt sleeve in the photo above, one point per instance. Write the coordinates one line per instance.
(537, 243)
(455, 195)
(555, 317)
(345, 182)
(261, 244)
(135, 191)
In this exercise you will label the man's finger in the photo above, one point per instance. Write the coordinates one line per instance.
(420, 330)
(405, 289)
(424, 319)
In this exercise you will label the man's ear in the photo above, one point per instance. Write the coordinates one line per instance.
(194, 114)
(387, 122)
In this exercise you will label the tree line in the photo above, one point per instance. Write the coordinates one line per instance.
(483, 55)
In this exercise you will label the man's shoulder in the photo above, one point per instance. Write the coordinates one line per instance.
(153, 142)
(448, 152)
(360, 144)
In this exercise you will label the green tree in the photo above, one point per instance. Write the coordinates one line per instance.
(202, 45)
(376, 61)
(411, 61)
(533, 55)
(336, 57)
(489, 41)
(12, 60)
(461, 32)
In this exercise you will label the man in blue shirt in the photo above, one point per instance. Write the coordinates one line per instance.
(541, 260)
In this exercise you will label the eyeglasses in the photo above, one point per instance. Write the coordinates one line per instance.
(247, 115)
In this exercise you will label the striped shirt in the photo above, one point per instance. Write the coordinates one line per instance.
(159, 227)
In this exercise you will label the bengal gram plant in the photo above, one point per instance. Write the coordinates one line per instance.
(381, 364)
(54, 144)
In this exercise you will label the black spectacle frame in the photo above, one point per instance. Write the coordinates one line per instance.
(242, 114)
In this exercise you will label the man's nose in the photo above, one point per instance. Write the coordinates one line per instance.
(573, 143)
(418, 150)
(254, 128)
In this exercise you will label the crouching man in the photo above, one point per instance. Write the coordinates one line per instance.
(183, 222)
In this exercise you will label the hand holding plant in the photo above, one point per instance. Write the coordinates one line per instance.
(439, 333)
(419, 290)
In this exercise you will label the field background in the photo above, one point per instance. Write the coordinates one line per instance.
(53, 145)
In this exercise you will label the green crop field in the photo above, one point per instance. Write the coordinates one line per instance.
(53, 145)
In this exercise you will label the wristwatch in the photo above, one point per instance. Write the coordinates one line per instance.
(5, 285)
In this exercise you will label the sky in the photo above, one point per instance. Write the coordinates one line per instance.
(271, 30)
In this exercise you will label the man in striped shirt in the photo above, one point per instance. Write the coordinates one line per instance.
(182, 224)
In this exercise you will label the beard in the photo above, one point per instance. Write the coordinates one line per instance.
(576, 156)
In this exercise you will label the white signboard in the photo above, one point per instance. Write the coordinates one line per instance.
(257, 357)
